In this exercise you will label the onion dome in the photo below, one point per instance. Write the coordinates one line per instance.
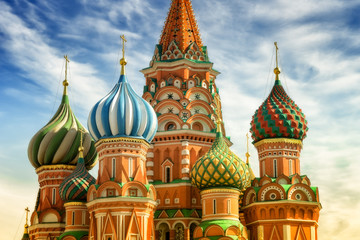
(220, 167)
(58, 141)
(75, 186)
(278, 116)
(122, 113)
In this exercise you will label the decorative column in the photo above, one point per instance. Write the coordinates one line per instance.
(150, 163)
(185, 161)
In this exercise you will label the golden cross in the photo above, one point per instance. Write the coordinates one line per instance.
(27, 211)
(123, 45)
(276, 47)
(65, 82)
(276, 70)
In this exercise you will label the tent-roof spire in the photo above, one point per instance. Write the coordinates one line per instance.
(180, 26)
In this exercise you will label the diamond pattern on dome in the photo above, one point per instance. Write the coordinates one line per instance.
(278, 117)
(220, 167)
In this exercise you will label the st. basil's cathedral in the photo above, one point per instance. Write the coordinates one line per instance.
(166, 171)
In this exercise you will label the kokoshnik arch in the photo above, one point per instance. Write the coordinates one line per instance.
(165, 167)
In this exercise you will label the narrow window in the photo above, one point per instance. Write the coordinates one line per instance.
(263, 167)
(167, 174)
(83, 218)
(131, 167)
(73, 218)
(54, 196)
(214, 206)
(229, 206)
(290, 167)
(275, 168)
(113, 168)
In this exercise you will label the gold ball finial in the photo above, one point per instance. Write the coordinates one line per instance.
(277, 71)
(123, 62)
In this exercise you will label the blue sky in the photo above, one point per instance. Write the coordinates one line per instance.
(319, 43)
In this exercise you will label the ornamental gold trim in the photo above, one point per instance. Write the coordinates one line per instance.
(219, 190)
(121, 139)
(278, 140)
(55, 167)
(69, 204)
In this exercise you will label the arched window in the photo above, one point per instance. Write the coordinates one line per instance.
(197, 126)
(263, 167)
(179, 231)
(170, 126)
(290, 167)
(275, 168)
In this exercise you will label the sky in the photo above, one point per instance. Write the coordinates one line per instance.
(319, 47)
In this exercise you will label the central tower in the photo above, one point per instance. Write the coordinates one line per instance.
(180, 86)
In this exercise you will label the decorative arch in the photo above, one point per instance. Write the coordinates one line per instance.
(108, 185)
(271, 191)
(301, 192)
(249, 196)
(207, 123)
(265, 180)
(214, 230)
(191, 92)
(162, 91)
(168, 117)
(199, 103)
(283, 179)
(162, 107)
(232, 230)
(139, 186)
(49, 215)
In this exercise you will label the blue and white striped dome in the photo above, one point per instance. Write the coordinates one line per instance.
(122, 113)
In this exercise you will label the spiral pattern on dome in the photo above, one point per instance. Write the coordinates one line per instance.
(122, 113)
(278, 117)
(58, 141)
(220, 167)
(75, 186)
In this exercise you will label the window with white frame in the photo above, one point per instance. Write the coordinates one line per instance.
(275, 168)
(290, 167)
(53, 196)
(113, 167)
(131, 168)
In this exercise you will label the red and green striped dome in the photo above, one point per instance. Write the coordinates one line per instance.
(278, 117)
(75, 186)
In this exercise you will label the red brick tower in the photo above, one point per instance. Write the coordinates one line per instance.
(122, 202)
(53, 151)
(180, 85)
(281, 204)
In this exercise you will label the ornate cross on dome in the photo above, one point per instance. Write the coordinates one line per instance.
(65, 82)
(247, 149)
(276, 70)
(122, 60)
(26, 221)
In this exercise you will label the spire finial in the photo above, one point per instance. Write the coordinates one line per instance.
(122, 60)
(81, 148)
(26, 221)
(65, 82)
(247, 149)
(218, 126)
(276, 70)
